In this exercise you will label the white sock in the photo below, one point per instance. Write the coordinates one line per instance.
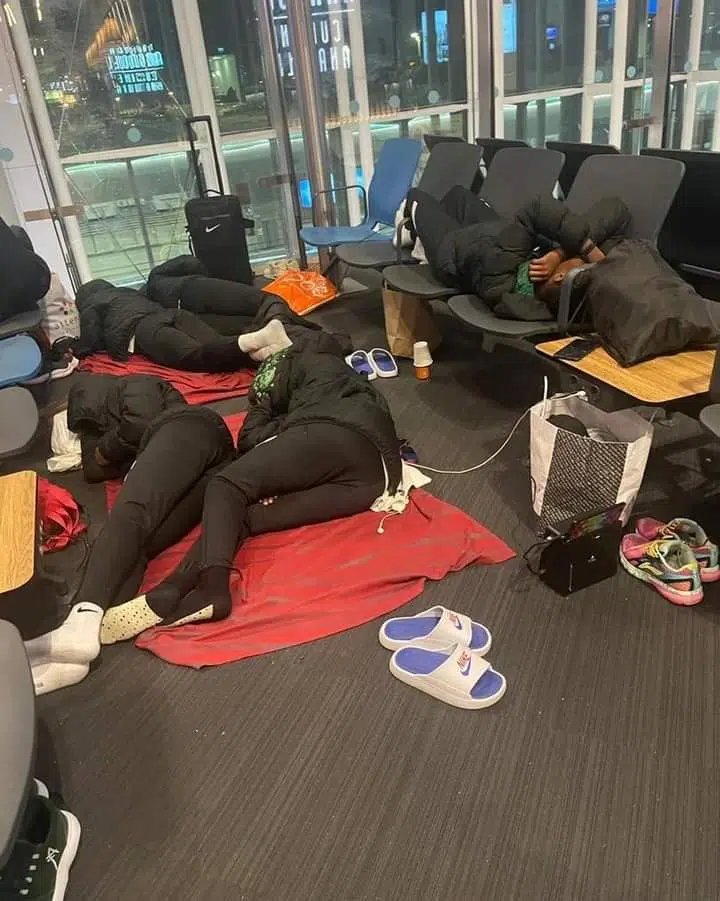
(76, 641)
(49, 677)
(272, 335)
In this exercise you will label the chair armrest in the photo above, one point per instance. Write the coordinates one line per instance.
(333, 191)
(699, 270)
(17, 738)
(398, 236)
(564, 319)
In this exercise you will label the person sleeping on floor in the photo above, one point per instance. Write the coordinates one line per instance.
(122, 321)
(318, 443)
(474, 250)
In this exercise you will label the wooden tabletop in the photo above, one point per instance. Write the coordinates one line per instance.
(18, 529)
(657, 381)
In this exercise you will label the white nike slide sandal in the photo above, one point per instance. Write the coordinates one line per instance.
(435, 628)
(456, 676)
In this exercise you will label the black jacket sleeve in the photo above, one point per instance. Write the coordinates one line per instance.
(91, 333)
(608, 218)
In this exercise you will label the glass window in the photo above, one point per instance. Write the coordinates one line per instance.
(414, 52)
(641, 28)
(679, 52)
(543, 43)
(604, 41)
(636, 112)
(111, 72)
(251, 167)
(235, 62)
(546, 119)
(601, 120)
(705, 105)
(134, 213)
(710, 39)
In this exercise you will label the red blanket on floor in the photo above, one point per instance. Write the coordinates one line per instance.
(195, 387)
(308, 583)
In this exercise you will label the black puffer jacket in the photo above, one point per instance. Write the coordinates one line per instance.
(294, 388)
(112, 415)
(234, 309)
(483, 259)
(25, 275)
(109, 317)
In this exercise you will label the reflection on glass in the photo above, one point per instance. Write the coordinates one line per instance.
(251, 166)
(636, 113)
(641, 29)
(704, 116)
(679, 51)
(134, 213)
(545, 119)
(604, 42)
(414, 52)
(111, 72)
(543, 43)
(710, 39)
(235, 63)
(601, 120)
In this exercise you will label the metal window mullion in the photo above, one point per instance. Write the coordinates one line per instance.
(498, 68)
(662, 55)
(589, 68)
(617, 81)
(46, 137)
(689, 100)
(197, 77)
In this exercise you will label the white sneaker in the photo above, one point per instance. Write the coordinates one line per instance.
(75, 641)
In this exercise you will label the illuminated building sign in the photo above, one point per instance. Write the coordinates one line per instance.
(328, 35)
(136, 69)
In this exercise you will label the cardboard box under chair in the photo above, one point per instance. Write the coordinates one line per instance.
(408, 319)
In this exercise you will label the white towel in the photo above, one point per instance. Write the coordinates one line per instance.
(65, 446)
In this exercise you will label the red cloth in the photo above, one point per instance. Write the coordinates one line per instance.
(303, 584)
(195, 387)
(60, 522)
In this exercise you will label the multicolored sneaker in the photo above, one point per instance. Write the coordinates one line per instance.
(694, 536)
(668, 565)
(40, 862)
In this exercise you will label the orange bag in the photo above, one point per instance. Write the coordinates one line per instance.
(303, 291)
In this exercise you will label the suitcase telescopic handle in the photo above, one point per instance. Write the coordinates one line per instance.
(213, 145)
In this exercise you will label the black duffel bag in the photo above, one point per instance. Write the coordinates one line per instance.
(641, 308)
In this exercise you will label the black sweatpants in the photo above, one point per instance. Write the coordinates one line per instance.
(436, 219)
(315, 472)
(188, 344)
(160, 501)
(216, 296)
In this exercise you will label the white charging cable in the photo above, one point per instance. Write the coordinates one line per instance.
(462, 472)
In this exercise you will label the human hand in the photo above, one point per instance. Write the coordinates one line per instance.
(100, 459)
(543, 267)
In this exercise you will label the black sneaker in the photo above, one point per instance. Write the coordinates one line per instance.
(39, 866)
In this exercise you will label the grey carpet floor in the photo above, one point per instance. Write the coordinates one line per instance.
(313, 775)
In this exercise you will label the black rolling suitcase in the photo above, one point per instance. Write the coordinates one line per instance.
(216, 224)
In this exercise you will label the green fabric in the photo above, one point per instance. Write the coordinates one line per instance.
(265, 376)
(523, 285)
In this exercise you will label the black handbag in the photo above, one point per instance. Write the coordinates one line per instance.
(216, 224)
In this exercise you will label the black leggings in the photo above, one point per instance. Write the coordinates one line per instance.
(188, 344)
(315, 472)
(160, 501)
